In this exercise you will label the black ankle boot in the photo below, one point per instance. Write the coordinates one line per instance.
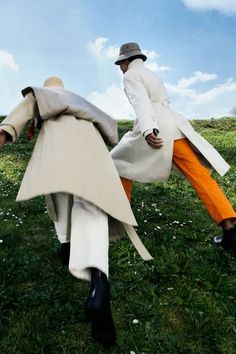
(228, 240)
(64, 252)
(98, 309)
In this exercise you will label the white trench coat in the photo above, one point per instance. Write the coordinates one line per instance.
(133, 158)
(70, 156)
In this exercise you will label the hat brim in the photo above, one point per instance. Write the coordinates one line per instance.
(130, 55)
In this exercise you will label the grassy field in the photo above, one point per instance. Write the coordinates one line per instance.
(184, 301)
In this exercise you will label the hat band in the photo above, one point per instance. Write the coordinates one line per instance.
(129, 54)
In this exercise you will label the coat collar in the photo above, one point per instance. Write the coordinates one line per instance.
(135, 63)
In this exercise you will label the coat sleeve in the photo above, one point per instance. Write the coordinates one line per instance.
(14, 123)
(138, 98)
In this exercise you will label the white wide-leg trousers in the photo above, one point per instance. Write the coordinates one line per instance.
(88, 237)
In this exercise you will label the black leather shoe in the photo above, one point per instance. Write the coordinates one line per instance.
(98, 309)
(64, 253)
(227, 241)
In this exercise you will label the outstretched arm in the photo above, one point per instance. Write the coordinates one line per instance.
(12, 126)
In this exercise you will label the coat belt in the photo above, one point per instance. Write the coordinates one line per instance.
(141, 249)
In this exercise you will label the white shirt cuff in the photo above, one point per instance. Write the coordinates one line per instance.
(149, 131)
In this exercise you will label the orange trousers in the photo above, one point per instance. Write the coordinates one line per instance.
(200, 178)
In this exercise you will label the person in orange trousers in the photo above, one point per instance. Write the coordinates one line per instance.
(208, 190)
(161, 138)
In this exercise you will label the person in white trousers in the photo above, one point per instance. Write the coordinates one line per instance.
(72, 167)
(89, 239)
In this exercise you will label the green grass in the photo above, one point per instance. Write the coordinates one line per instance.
(184, 300)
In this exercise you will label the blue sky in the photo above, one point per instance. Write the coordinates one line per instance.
(189, 43)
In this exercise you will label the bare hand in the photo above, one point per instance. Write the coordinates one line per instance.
(154, 141)
(3, 137)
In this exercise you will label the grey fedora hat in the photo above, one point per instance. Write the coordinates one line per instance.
(129, 50)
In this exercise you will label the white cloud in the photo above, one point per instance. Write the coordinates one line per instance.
(217, 101)
(7, 61)
(9, 82)
(151, 54)
(198, 76)
(183, 87)
(96, 47)
(227, 7)
(114, 102)
(112, 52)
(156, 67)
(99, 50)
(152, 63)
(217, 93)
